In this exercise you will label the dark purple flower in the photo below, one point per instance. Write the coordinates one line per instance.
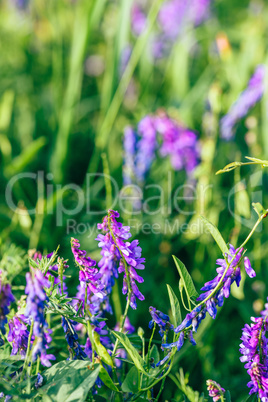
(39, 381)
(6, 298)
(247, 99)
(161, 319)
(254, 350)
(215, 390)
(72, 339)
(178, 344)
(35, 306)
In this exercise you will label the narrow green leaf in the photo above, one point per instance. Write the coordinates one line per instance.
(106, 379)
(185, 278)
(175, 306)
(228, 396)
(102, 351)
(216, 234)
(133, 353)
(27, 156)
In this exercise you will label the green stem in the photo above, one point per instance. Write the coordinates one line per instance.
(149, 346)
(91, 337)
(161, 389)
(28, 351)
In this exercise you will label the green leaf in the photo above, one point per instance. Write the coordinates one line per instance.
(102, 351)
(69, 381)
(131, 381)
(259, 209)
(229, 167)
(175, 306)
(133, 354)
(228, 396)
(27, 156)
(216, 234)
(154, 354)
(104, 376)
(185, 278)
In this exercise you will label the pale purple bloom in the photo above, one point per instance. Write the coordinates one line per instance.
(146, 147)
(175, 141)
(215, 390)
(130, 141)
(138, 19)
(247, 99)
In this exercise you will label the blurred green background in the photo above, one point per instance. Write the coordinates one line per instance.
(64, 102)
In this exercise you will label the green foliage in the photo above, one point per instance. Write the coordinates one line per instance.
(69, 381)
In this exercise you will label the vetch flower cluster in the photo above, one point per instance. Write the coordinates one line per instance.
(247, 99)
(254, 350)
(175, 141)
(114, 244)
(19, 334)
(161, 319)
(71, 337)
(174, 17)
(35, 306)
(6, 298)
(216, 392)
(214, 293)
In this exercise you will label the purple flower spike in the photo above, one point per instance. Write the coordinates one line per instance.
(88, 275)
(35, 308)
(18, 334)
(248, 98)
(254, 350)
(215, 390)
(114, 246)
(6, 298)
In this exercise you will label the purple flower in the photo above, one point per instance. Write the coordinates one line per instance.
(115, 247)
(247, 99)
(35, 306)
(39, 381)
(19, 334)
(138, 20)
(6, 298)
(254, 352)
(161, 319)
(233, 274)
(215, 390)
(177, 142)
(72, 339)
(130, 140)
(146, 147)
(178, 344)
(87, 274)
